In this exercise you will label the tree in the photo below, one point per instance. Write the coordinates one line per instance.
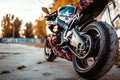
(39, 29)
(5, 23)
(17, 24)
(29, 30)
(10, 25)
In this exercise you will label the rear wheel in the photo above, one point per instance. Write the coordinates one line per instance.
(103, 54)
(49, 55)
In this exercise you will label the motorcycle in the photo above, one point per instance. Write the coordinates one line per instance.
(91, 45)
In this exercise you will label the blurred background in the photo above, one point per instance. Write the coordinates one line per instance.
(23, 20)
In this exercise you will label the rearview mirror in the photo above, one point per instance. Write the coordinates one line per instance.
(44, 9)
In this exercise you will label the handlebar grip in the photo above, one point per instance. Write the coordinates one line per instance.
(46, 16)
(50, 17)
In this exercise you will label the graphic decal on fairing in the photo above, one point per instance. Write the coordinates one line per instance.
(111, 15)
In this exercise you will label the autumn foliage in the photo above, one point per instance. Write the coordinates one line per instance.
(11, 23)
(59, 3)
(39, 30)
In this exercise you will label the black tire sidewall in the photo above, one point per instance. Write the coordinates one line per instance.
(52, 56)
(103, 55)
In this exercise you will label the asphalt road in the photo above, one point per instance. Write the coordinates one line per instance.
(21, 62)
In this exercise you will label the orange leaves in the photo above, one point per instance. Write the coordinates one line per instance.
(59, 3)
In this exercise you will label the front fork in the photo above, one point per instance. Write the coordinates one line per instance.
(58, 51)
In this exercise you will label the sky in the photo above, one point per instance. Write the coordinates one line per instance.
(27, 10)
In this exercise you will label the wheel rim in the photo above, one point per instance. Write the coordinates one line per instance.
(86, 64)
(85, 50)
(48, 50)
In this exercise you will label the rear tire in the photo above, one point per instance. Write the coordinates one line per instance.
(104, 53)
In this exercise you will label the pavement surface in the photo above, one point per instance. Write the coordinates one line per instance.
(22, 62)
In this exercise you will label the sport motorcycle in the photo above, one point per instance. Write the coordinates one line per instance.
(91, 45)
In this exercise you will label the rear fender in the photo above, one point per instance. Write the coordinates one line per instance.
(81, 27)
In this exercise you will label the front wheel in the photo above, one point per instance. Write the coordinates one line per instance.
(48, 53)
(103, 54)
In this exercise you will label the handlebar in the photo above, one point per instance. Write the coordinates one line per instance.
(51, 16)
(46, 16)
